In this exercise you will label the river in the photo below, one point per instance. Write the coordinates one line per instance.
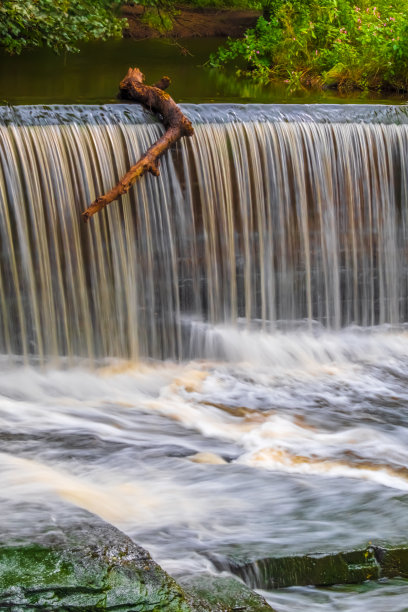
(217, 365)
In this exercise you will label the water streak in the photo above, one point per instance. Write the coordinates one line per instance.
(268, 216)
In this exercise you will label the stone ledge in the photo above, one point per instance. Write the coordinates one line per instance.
(320, 569)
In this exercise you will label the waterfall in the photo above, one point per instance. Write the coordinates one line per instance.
(269, 216)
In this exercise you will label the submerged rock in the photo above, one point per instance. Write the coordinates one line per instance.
(210, 458)
(319, 569)
(393, 561)
(224, 594)
(314, 569)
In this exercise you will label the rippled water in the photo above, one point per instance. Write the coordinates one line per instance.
(390, 595)
(295, 442)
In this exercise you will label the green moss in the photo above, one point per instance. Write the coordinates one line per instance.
(224, 594)
(28, 565)
(325, 43)
(393, 561)
(317, 569)
(90, 566)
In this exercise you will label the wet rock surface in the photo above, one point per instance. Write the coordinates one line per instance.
(319, 569)
(224, 593)
(69, 559)
(83, 563)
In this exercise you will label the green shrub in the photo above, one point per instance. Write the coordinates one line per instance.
(161, 14)
(59, 24)
(335, 43)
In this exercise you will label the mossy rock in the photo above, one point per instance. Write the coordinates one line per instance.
(86, 565)
(334, 76)
(315, 569)
(224, 594)
(393, 561)
(73, 561)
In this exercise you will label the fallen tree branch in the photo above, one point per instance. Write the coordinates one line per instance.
(153, 98)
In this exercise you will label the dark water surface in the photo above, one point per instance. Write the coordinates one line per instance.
(92, 76)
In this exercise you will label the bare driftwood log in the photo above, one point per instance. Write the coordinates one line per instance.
(153, 98)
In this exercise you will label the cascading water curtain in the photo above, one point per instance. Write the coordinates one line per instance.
(269, 221)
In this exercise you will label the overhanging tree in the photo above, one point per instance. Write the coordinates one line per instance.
(58, 24)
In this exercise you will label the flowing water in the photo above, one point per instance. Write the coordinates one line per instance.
(217, 364)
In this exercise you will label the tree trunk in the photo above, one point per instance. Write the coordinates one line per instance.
(153, 98)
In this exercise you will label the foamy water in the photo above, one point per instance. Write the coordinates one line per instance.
(292, 442)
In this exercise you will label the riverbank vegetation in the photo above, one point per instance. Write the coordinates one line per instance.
(162, 15)
(63, 24)
(344, 44)
(58, 24)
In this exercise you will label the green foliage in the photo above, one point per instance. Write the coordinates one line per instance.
(59, 24)
(222, 4)
(336, 43)
(159, 19)
(173, 4)
(160, 14)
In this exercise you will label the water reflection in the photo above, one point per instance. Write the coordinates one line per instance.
(42, 77)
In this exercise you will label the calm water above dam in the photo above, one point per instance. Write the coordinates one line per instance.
(249, 305)
(39, 76)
